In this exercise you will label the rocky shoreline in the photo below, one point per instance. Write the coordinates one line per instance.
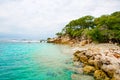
(101, 61)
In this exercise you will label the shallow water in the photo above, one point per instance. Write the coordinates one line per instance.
(35, 61)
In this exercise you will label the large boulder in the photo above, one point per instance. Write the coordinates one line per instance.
(88, 69)
(91, 61)
(100, 75)
(83, 59)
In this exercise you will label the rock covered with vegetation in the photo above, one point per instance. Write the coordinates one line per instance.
(103, 64)
(105, 28)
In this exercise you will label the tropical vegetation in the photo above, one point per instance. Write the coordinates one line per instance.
(101, 29)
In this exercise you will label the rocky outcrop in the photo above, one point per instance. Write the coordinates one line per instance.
(61, 40)
(102, 64)
(54, 40)
(68, 40)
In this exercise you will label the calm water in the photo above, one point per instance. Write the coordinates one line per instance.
(37, 61)
(34, 61)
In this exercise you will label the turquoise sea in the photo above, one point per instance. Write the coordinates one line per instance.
(34, 61)
(37, 61)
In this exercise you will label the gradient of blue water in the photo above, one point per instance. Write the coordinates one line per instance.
(33, 61)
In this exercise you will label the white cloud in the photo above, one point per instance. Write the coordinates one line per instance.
(48, 17)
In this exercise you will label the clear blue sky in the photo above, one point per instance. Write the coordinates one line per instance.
(43, 18)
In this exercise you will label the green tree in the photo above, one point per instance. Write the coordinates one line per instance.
(102, 29)
(75, 27)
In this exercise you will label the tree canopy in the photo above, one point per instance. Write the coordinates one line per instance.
(102, 29)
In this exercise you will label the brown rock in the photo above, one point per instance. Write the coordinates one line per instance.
(76, 53)
(79, 53)
(91, 61)
(83, 59)
(100, 75)
(88, 69)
